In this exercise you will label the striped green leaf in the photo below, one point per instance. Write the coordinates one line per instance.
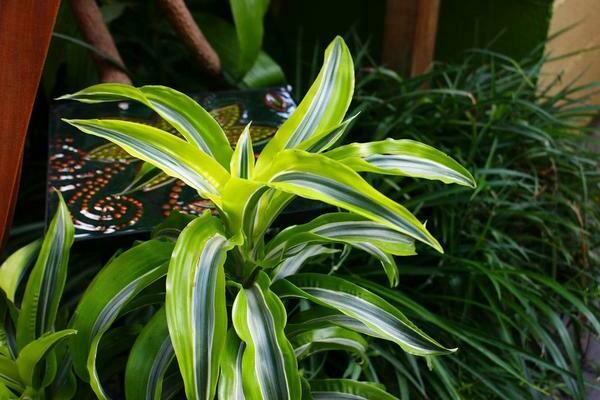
(270, 370)
(149, 359)
(319, 317)
(354, 230)
(15, 266)
(328, 138)
(230, 383)
(47, 279)
(242, 161)
(317, 177)
(192, 121)
(292, 264)
(358, 303)
(119, 282)
(174, 156)
(323, 107)
(30, 357)
(195, 304)
(402, 157)
(312, 341)
(347, 389)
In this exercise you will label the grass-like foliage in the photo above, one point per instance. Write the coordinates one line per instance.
(211, 303)
(517, 285)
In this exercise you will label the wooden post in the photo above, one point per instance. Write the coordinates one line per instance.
(409, 35)
(25, 32)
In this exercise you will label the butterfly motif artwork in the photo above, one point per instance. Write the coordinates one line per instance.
(110, 192)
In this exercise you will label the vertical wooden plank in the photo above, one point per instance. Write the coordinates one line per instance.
(398, 34)
(25, 32)
(424, 39)
(409, 35)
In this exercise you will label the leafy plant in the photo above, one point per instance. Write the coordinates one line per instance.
(218, 299)
(517, 287)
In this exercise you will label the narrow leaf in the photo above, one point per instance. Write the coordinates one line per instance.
(35, 352)
(195, 304)
(309, 342)
(242, 161)
(317, 177)
(173, 155)
(192, 121)
(270, 370)
(358, 303)
(150, 356)
(402, 157)
(14, 268)
(230, 383)
(47, 279)
(324, 105)
(248, 19)
(109, 293)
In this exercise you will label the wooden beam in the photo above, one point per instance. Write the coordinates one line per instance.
(409, 35)
(25, 33)
(424, 38)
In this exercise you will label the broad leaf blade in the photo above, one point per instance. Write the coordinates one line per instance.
(109, 293)
(324, 105)
(180, 111)
(358, 303)
(149, 359)
(173, 155)
(35, 352)
(47, 279)
(9, 374)
(317, 177)
(195, 304)
(248, 18)
(230, 382)
(270, 370)
(402, 157)
(14, 268)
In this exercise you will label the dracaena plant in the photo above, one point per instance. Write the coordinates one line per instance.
(221, 320)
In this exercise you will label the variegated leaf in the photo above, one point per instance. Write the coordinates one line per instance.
(174, 156)
(372, 237)
(195, 304)
(149, 359)
(327, 139)
(47, 279)
(311, 341)
(242, 161)
(323, 107)
(317, 177)
(230, 382)
(292, 264)
(269, 366)
(107, 296)
(179, 110)
(402, 157)
(358, 303)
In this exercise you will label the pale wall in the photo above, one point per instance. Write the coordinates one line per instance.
(585, 35)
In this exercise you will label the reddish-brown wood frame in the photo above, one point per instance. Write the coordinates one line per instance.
(25, 32)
